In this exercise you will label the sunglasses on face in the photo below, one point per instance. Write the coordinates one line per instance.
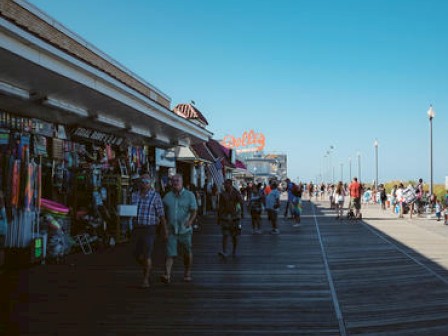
(146, 181)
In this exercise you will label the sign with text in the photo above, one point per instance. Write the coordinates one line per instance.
(78, 133)
(248, 142)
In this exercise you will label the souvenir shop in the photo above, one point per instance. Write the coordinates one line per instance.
(64, 189)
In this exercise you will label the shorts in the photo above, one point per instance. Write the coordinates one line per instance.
(176, 242)
(230, 228)
(355, 202)
(272, 215)
(143, 239)
(255, 214)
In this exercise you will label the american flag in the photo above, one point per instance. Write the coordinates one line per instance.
(215, 170)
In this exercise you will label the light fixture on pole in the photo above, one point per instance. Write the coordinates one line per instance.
(431, 115)
(359, 166)
(375, 144)
(330, 151)
(342, 172)
(350, 168)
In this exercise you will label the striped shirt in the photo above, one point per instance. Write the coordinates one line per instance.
(149, 208)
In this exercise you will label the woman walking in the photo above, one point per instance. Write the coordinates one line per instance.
(338, 199)
(255, 206)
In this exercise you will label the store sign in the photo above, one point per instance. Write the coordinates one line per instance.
(165, 158)
(95, 136)
(249, 142)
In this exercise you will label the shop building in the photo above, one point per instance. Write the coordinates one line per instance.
(75, 127)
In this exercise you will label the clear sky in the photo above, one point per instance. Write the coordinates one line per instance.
(308, 74)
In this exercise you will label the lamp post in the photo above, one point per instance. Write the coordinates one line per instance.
(375, 144)
(350, 168)
(431, 115)
(329, 152)
(342, 172)
(359, 166)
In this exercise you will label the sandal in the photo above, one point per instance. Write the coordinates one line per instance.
(165, 279)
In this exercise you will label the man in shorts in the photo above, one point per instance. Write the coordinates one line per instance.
(150, 212)
(180, 209)
(230, 211)
(355, 196)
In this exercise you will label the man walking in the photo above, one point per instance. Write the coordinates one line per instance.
(355, 196)
(180, 208)
(289, 205)
(149, 212)
(273, 205)
(230, 211)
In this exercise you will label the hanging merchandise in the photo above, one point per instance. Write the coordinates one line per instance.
(40, 145)
(49, 206)
(56, 240)
(58, 149)
(3, 218)
(24, 221)
(4, 137)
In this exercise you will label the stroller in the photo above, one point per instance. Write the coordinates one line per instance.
(351, 214)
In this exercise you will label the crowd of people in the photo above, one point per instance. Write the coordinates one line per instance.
(174, 213)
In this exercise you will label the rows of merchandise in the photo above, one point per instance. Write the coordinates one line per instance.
(62, 188)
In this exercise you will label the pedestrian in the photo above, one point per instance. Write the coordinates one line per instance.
(338, 198)
(383, 196)
(400, 200)
(214, 196)
(150, 213)
(331, 196)
(289, 187)
(296, 204)
(273, 205)
(393, 197)
(255, 206)
(419, 195)
(310, 189)
(438, 210)
(355, 191)
(180, 209)
(230, 212)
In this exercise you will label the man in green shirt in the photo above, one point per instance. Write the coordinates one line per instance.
(180, 211)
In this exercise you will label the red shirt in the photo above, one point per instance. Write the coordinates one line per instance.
(355, 189)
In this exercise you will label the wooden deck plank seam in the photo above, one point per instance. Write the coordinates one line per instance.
(334, 297)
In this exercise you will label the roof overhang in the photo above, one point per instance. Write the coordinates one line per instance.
(39, 80)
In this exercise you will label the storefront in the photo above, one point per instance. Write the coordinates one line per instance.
(75, 127)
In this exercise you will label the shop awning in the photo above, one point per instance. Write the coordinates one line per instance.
(70, 82)
(202, 153)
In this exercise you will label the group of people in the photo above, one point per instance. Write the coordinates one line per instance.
(173, 216)
(231, 204)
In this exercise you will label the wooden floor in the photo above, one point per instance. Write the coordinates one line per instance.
(326, 277)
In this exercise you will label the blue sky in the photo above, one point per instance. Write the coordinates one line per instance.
(308, 74)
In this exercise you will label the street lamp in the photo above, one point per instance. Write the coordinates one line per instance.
(329, 152)
(359, 166)
(431, 115)
(350, 168)
(375, 144)
(342, 172)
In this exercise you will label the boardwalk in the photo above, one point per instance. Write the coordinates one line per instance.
(381, 276)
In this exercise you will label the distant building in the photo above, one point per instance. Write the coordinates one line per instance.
(267, 167)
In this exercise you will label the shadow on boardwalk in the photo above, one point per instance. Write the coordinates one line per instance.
(277, 285)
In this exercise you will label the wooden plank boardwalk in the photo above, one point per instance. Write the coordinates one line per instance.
(326, 277)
